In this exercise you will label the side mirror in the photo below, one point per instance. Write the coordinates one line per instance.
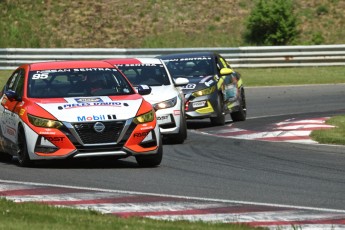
(144, 89)
(226, 71)
(181, 81)
(12, 96)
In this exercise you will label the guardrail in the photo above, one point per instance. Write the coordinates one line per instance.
(241, 57)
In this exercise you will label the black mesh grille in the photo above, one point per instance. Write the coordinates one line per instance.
(110, 134)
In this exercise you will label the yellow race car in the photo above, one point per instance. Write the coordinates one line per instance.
(214, 88)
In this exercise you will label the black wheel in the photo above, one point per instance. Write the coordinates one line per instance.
(182, 134)
(5, 157)
(23, 156)
(151, 160)
(220, 118)
(241, 114)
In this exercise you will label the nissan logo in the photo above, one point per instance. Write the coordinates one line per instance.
(98, 127)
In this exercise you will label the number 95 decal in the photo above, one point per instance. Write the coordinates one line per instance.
(40, 76)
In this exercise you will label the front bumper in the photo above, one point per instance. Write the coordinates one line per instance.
(201, 107)
(169, 120)
(75, 140)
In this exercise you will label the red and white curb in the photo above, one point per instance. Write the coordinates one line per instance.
(164, 207)
(290, 130)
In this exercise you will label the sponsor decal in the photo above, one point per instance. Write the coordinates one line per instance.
(46, 133)
(111, 117)
(89, 104)
(130, 65)
(188, 59)
(56, 139)
(82, 100)
(44, 74)
(146, 128)
(177, 112)
(94, 69)
(209, 83)
(165, 117)
(74, 70)
(97, 117)
(143, 134)
(199, 104)
(205, 79)
(92, 118)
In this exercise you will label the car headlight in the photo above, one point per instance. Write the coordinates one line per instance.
(165, 104)
(204, 91)
(144, 118)
(45, 123)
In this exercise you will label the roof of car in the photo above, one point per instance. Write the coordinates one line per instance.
(69, 64)
(144, 60)
(187, 55)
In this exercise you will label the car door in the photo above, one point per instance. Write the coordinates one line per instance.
(10, 107)
(227, 83)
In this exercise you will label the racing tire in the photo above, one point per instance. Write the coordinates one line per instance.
(5, 157)
(241, 114)
(181, 136)
(220, 118)
(153, 160)
(23, 156)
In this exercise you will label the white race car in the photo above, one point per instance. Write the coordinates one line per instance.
(75, 109)
(166, 96)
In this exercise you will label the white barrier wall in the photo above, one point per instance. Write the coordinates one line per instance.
(241, 57)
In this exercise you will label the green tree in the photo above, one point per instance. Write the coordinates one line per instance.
(271, 22)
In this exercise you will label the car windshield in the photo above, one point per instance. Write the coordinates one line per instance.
(145, 74)
(77, 82)
(190, 67)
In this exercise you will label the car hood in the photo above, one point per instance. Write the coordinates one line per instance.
(161, 93)
(92, 109)
(198, 83)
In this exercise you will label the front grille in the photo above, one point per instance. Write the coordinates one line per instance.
(110, 134)
(101, 148)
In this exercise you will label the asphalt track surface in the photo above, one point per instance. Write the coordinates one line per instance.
(224, 168)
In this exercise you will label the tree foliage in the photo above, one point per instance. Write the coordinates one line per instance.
(271, 22)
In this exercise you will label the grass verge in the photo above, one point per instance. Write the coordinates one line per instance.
(293, 76)
(334, 135)
(32, 216)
